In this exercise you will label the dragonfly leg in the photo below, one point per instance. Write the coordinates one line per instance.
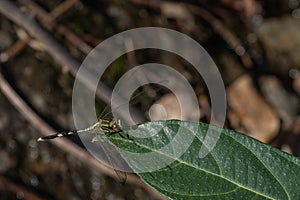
(128, 137)
(168, 166)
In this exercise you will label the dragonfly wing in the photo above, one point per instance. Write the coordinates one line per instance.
(107, 153)
(122, 176)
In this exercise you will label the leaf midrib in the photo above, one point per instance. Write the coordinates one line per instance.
(197, 168)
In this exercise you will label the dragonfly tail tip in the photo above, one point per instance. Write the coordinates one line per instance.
(40, 139)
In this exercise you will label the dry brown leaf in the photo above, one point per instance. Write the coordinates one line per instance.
(249, 113)
(166, 107)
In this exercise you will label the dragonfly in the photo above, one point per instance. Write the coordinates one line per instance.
(105, 126)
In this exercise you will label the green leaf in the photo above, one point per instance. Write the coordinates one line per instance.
(238, 167)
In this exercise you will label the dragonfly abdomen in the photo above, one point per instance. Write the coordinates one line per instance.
(61, 134)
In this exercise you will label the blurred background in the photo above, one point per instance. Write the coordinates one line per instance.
(255, 44)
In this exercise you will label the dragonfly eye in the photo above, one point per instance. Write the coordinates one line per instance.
(114, 126)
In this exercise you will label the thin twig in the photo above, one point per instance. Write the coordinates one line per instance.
(233, 41)
(44, 16)
(7, 185)
(62, 8)
(14, 49)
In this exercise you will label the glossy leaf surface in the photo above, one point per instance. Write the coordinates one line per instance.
(238, 167)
